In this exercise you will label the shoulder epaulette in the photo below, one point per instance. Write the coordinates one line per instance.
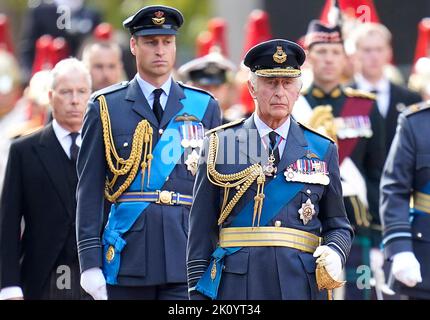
(316, 132)
(226, 125)
(417, 107)
(110, 89)
(194, 88)
(355, 93)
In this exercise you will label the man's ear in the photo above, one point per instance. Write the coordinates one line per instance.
(133, 41)
(251, 89)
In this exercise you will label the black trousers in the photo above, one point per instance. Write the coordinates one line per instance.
(172, 291)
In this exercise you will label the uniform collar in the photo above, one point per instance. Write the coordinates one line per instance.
(148, 88)
(319, 93)
(264, 129)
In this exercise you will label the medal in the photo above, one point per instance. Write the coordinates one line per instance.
(192, 162)
(307, 211)
(269, 169)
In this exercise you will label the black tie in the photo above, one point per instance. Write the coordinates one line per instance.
(374, 91)
(156, 107)
(273, 136)
(74, 149)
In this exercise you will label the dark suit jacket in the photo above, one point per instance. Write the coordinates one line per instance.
(400, 97)
(155, 250)
(36, 188)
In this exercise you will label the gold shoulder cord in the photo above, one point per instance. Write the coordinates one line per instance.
(142, 137)
(241, 181)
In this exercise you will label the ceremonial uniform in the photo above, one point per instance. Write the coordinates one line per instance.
(265, 217)
(144, 241)
(407, 175)
(352, 118)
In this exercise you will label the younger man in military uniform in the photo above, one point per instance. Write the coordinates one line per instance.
(352, 118)
(267, 197)
(406, 230)
(140, 150)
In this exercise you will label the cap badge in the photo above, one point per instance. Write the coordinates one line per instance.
(159, 18)
(279, 56)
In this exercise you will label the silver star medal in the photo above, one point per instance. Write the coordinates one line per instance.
(269, 169)
(192, 161)
(307, 211)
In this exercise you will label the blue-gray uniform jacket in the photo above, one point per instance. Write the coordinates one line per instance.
(156, 243)
(265, 272)
(407, 173)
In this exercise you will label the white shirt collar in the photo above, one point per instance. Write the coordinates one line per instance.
(60, 132)
(148, 88)
(62, 135)
(264, 129)
(382, 86)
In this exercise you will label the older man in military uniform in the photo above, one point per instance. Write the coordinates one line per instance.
(352, 118)
(406, 175)
(268, 198)
(140, 150)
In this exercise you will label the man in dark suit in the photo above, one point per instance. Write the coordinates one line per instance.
(139, 150)
(373, 53)
(267, 200)
(41, 261)
(406, 175)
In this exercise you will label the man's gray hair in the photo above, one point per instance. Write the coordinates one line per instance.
(69, 65)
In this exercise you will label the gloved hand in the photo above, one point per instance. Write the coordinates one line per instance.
(331, 260)
(94, 283)
(406, 268)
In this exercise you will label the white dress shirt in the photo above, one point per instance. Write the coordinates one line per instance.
(64, 138)
(383, 92)
(264, 130)
(148, 91)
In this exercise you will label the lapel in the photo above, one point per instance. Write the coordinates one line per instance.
(52, 156)
(392, 108)
(295, 146)
(173, 105)
(140, 105)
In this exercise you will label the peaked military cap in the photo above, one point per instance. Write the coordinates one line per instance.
(275, 58)
(211, 69)
(321, 33)
(154, 20)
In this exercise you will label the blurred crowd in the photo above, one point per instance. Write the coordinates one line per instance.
(26, 77)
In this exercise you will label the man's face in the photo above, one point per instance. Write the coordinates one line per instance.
(327, 61)
(373, 53)
(275, 97)
(155, 55)
(69, 98)
(105, 67)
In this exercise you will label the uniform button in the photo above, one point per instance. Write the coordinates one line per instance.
(125, 145)
(308, 191)
(167, 179)
(278, 223)
(160, 131)
(274, 177)
(419, 235)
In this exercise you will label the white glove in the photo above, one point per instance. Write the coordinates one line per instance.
(333, 263)
(94, 283)
(406, 268)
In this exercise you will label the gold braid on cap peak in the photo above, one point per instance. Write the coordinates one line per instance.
(240, 180)
(142, 137)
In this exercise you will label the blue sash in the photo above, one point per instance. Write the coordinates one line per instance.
(278, 193)
(167, 153)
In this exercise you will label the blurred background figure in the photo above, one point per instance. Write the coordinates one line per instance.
(215, 74)
(104, 60)
(11, 114)
(373, 52)
(71, 19)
